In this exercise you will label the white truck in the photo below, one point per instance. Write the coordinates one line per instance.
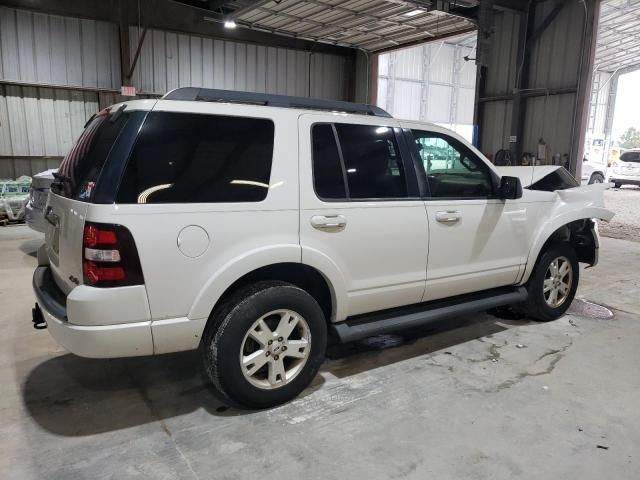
(253, 226)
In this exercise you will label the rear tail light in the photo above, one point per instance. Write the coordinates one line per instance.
(109, 256)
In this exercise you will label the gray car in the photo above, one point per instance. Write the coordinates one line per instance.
(38, 199)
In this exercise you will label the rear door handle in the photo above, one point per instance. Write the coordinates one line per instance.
(448, 216)
(329, 222)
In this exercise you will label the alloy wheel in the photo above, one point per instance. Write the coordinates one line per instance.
(557, 282)
(275, 349)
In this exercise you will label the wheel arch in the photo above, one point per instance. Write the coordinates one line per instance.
(322, 285)
(578, 230)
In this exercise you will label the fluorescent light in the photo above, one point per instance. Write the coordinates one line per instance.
(413, 13)
(230, 24)
(381, 130)
(351, 170)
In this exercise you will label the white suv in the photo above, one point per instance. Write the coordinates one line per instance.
(252, 226)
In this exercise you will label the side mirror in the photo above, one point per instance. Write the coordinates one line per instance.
(510, 188)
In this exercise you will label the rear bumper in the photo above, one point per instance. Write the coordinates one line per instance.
(624, 180)
(93, 341)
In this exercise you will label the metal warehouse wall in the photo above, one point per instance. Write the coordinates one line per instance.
(37, 47)
(55, 72)
(431, 83)
(171, 60)
(39, 122)
(557, 70)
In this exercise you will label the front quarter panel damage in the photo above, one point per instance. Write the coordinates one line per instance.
(570, 215)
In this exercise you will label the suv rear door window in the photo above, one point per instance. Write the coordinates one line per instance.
(328, 176)
(372, 162)
(197, 158)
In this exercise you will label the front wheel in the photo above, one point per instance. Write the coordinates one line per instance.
(265, 344)
(617, 185)
(553, 283)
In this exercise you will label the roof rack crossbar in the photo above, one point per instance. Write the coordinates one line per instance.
(232, 96)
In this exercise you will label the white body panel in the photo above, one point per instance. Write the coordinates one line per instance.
(389, 253)
(381, 252)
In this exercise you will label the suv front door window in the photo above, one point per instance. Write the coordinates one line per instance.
(452, 170)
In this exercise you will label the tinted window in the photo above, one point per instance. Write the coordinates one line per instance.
(452, 169)
(630, 157)
(372, 161)
(328, 178)
(79, 171)
(195, 158)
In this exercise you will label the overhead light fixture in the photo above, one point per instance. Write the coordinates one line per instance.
(413, 13)
(230, 24)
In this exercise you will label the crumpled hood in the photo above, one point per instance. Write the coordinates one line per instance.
(588, 199)
(528, 175)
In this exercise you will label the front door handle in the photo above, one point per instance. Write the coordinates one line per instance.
(329, 222)
(448, 216)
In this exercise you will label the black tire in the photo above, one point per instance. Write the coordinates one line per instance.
(536, 306)
(225, 334)
(617, 185)
(596, 178)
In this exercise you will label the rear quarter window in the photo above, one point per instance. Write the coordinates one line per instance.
(80, 169)
(198, 158)
(630, 157)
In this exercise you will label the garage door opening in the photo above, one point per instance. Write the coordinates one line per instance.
(433, 82)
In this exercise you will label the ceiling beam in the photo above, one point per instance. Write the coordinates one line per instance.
(172, 16)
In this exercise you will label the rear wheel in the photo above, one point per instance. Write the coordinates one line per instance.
(265, 344)
(617, 185)
(553, 283)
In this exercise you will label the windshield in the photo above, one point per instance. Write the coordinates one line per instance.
(76, 178)
(630, 157)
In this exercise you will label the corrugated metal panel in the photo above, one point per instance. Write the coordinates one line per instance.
(502, 59)
(40, 122)
(406, 99)
(496, 123)
(169, 60)
(548, 117)
(431, 82)
(36, 47)
(556, 54)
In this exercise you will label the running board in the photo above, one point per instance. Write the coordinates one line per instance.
(367, 325)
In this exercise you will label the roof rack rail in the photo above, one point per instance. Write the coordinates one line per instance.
(232, 96)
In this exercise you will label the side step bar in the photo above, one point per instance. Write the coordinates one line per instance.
(367, 325)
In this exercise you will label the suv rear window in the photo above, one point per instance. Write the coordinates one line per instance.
(630, 157)
(79, 171)
(198, 158)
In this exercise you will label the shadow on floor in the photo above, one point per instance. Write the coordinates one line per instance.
(74, 396)
(30, 247)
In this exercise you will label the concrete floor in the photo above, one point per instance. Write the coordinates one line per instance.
(626, 224)
(480, 398)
